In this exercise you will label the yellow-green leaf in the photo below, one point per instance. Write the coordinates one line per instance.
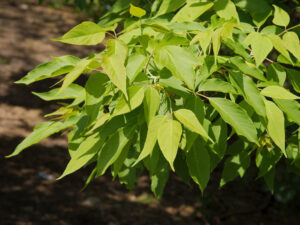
(86, 33)
(75, 73)
(279, 45)
(114, 67)
(136, 11)
(216, 41)
(188, 119)
(281, 17)
(192, 11)
(151, 103)
(226, 9)
(291, 41)
(204, 39)
(168, 139)
(135, 99)
(261, 47)
(278, 92)
(151, 138)
(235, 116)
(117, 47)
(275, 125)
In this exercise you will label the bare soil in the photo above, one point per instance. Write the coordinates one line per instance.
(29, 194)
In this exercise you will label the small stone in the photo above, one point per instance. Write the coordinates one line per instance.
(24, 6)
(91, 202)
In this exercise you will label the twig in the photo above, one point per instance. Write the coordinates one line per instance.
(95, 69)
(291, 28)
(203, 96)
(148, 61)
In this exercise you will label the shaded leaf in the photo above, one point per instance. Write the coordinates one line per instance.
(198, 162)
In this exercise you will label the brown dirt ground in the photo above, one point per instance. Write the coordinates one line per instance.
(27, 199)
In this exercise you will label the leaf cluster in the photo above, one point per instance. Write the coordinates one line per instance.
(185, 86)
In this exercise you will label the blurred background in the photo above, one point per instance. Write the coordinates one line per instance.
(29, 193)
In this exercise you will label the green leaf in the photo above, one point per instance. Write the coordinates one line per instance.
(135, 99)
(278, 92)
(259, 10)
(135, 64)
(40, 132)
(169, 6)
(198, 162)
(235, 166)
(291, 42)
(191, 11)
(248, 89)
(235, 116)
(217, 85)
(151, 138)
(291, 108)
(95, 92)
(188, 119)
(114, 67)
(281, 17)
(275, 126)
(151, 103)
(294, 77)
(56, 67)
(169, 135)
(71, 92)
(179, 61)
(261, 46)
(113, 148)
(75, 73)
(247, 68)
(86, 33)
(226, 9)
(136, 11)
(218, 149)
